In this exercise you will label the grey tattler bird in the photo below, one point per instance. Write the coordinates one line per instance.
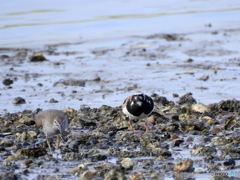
(53, 122)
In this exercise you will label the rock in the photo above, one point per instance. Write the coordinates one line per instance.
(79, 168)
(173, 137)
(70, 82)
(176, 142)
(113, 173)
(137, 176)
(229, 162)
(88, 175)
(187, 98)
(116, 173)
(204, 78)
(7, 82)
(227, 105)
(72, 157)
(6, 143)
(26, 136)
(10, 164)
(188, 60)
(9, 176)
(203, 150)
(52, 100)
(160, 99)
(127, 163)
(185, 165)
(199, 107)
(219, 141)
(191, 125)
(38, 57)
(15, 156)
(33, 152)
(19, 100)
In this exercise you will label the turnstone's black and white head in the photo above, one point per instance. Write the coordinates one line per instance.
(137, 106)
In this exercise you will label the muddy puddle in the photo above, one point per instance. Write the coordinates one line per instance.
(62, 57)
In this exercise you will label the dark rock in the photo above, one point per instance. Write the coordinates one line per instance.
(53, 101)
(38, 57)
(160, 99)
(185, 165)
(227, 105)
(229, 162)
(186, 99)
(7, 82)
(98, 157)
(70, 82)
(72, 157)
(113, 173)
(203, 150)
(19, 100)
(176, 142)
(33, 152)
(9, 176)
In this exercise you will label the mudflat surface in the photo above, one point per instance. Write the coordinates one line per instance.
(106, 72)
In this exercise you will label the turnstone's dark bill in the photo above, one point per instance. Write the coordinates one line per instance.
(137, 106)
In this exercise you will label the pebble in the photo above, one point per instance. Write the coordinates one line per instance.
(7, 82)
(19, 100)
(185, 165)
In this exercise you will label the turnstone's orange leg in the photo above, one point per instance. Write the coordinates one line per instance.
(146, 126)
(131, 128)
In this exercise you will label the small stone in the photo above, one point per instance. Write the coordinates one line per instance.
(79, 168)
(25, 172)
(137, 176)
(72, 156)
(175, 95)
(114, 172)
(70, 82)
(185, 165)
(203, 78)
(176, 142)
(199, 107)
(174, 136)
(6, 143)
(229, 162)
(26, 136)
(53, 101)
(7, 82)
(219, 141)
(87, 175)
(127, 163)
(19, 100)
(202, 150)
(38, 57)
(188, 60)
(154, 176)
(28, 162)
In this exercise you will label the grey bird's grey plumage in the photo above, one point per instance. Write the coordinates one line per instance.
(52, 122)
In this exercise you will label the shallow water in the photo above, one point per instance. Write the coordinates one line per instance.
(36, 23)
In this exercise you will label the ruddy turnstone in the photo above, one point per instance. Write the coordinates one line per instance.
(137, 106)
(52, 122)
